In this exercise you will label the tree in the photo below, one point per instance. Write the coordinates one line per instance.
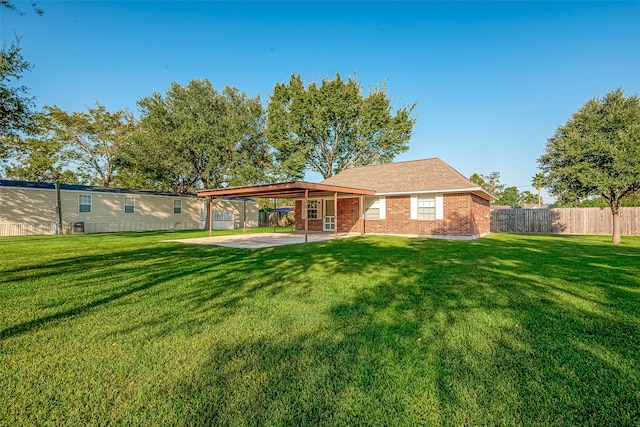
(15, 104)
(529, 198)
(493, 183)
(195, 137)
(76, 147)
(538, 182)
(11, 6)
(597, 153)
(490, 183)
(478, 179)
(510, 196)
(332, 127)
(92, 139)
(39, 155)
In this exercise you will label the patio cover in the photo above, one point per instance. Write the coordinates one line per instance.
(290, 190)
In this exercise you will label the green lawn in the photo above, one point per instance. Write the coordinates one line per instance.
(504, 330)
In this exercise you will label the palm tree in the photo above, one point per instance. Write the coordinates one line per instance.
(538, 182)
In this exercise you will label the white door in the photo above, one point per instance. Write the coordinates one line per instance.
(329, 222)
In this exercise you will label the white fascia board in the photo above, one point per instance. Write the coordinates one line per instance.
(456, 190)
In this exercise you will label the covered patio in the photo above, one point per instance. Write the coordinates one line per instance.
(290, 190)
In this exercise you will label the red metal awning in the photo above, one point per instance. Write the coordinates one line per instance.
(285, 190)
(288, 190)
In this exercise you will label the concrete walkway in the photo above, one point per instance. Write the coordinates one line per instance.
(261, 240)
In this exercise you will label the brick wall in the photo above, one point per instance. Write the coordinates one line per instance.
(464, 215)
(349, 215)
(314, 224)
(481, 215)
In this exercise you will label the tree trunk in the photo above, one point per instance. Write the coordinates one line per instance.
(615, 215)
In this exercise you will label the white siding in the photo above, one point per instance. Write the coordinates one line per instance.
(27, 211)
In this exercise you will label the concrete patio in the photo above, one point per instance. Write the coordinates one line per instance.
(262, 240)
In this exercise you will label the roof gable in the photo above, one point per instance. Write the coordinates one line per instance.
(417, 176)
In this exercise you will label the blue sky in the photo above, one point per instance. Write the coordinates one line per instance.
(492, 80)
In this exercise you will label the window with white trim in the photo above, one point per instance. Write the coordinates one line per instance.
(426, 207)
(177, 207)
(222, 216)
(375, 208)
(129, 205)
(84, 203)
(312, 209)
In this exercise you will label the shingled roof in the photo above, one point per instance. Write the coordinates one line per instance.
(417, 176)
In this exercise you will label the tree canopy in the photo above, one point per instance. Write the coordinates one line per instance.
(505, 196)
(491, 183)
(333, 126)
(15, 103)
(195, 137)
(538, 182)
(40, 155)
(597, 153)
(509, 196)
(72, 147)
(11, 5)
(93, 139)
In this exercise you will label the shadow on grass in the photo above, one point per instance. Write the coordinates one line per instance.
(499, 331)
(514, 330)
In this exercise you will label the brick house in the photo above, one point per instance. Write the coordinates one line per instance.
(422, 197)
(419, 198)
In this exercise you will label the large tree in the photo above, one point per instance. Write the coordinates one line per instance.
(79, 146)
(195, 137)
(93, 139)
(15, 103)
(333, 126)
(597, 153)
(40, 155)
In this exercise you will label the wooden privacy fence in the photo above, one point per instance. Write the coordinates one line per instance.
(564, 221)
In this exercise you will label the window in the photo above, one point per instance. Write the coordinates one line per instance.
(177, 207)
(204, 211)
(129, 205)
(329, 208)
(222, 216)
(427, 207)
(374, 208)
(84, 203)
(312, 209)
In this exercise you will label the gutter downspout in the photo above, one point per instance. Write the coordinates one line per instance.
(335, 215)
(58, 209)
(306, 214)
(244, 215)
(211, 216)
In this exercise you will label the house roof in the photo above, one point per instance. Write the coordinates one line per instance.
(416, 176)
(286, 190)
(74, 187)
